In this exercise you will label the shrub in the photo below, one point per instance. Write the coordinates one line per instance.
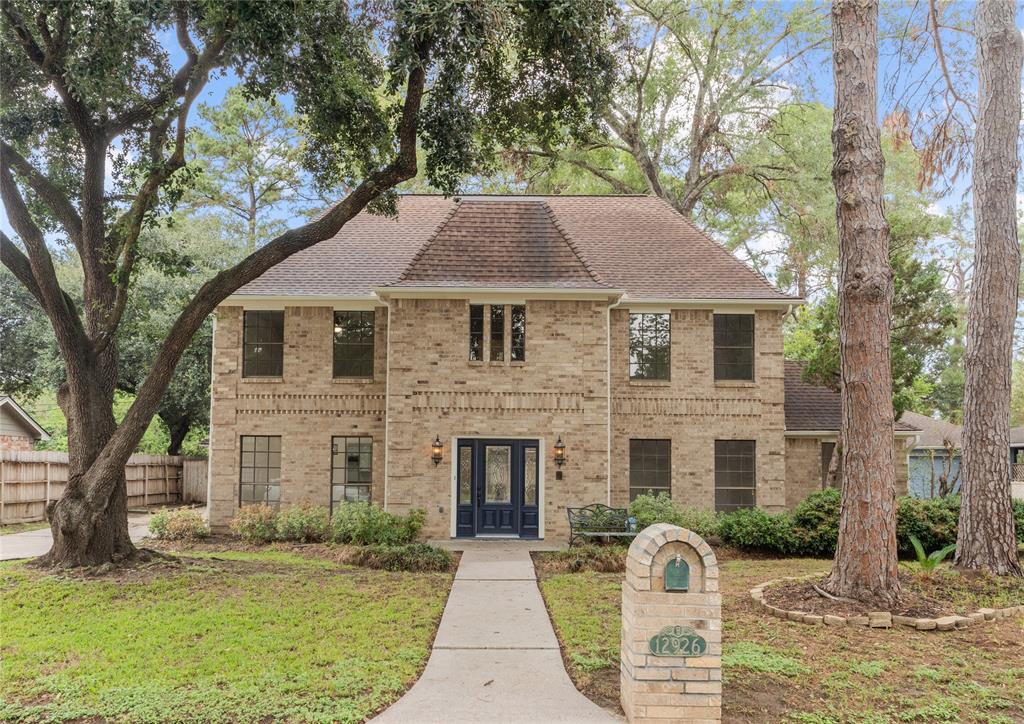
(255, 523)
(1018, 513)
(412, 557)
(929, 562)
(589, 557)
(815, 524)
(755, 529)
(367, 524)
(305, 523)
(180, 524)
(933, 521)
(650, 509)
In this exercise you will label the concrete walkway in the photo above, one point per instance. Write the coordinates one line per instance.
(495, 657)
(33, 543)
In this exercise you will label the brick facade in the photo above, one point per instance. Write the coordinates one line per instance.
(803, 466)
(429, 388)
(17, 442)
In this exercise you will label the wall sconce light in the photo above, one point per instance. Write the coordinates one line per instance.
(559, 452)
(437, 451)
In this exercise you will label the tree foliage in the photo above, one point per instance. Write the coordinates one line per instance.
(87, 84)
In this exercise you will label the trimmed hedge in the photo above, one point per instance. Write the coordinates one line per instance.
(650, 509)
(367, 524)
(412, 557)
(178, 524)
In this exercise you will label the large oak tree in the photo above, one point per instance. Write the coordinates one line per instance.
(865, 566)
(986, 538)
(93, 132)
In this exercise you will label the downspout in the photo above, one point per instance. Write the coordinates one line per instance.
(608, 390)
(387, 398)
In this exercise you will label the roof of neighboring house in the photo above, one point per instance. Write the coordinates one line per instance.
(933, 432)
(636, 244)
(18, 413)
(811, 407)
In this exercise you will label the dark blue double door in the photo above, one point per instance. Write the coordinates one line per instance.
(498, 488)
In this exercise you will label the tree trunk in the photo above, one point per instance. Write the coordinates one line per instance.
(865, 566)
(832, 478)
(89, 522)
(178, 431)
(986, 539)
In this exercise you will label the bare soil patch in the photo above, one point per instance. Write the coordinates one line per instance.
(942, 593)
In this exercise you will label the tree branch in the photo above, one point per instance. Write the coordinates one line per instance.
(147, 401)
(58, 202)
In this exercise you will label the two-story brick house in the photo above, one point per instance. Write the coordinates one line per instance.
(494, 359)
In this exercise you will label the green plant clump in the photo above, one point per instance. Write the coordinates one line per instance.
(255, 523)
(178, 524)
(367, 524)
(928, 562)
(304, 523)
(412, 557)
(649, 509)
(755, 529)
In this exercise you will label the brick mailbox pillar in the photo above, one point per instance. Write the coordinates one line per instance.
(671, 661)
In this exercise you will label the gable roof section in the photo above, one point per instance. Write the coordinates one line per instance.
(370, 251)
(814, 408)
(26, 420)
(497, 243)
(933, 432)
(643, 245)
(636, 244)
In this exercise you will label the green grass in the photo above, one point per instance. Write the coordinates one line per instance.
(22, 527)
(783, 671)
(251, 637)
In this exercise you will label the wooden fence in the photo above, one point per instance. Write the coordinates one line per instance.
(30, 480)
(193, 480)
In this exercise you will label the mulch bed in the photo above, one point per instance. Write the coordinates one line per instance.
(924, 595)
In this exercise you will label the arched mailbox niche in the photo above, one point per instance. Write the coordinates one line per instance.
(671, 628)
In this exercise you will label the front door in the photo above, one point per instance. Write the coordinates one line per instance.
(497, 488)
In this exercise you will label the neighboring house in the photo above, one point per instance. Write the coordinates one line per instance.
(813, 415)
(495, 359)
(936, 453)
(18, 431)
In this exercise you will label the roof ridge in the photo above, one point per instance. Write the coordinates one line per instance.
(572, 244)
(430, 240)
(721, 247)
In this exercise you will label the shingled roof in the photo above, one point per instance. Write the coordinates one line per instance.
(811, 407)
(635, 244)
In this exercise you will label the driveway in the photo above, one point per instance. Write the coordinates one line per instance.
(34, 543)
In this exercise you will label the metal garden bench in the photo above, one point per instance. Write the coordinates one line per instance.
(599, 521)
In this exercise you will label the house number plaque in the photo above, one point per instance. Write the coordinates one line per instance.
(678, 641)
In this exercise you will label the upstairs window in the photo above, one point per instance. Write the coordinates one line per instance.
(734, 346)
(476, 332)
(353, 344)
(263, 344)
(502, 319)
(650, 344)
(518, 346)
(497, 333)
(735, 479)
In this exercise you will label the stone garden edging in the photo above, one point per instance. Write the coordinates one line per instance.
(879, 619)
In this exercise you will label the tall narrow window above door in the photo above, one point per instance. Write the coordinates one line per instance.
(497, 333)
(476, 332)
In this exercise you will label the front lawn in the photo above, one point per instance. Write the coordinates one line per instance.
(234, 637)
(775, 670)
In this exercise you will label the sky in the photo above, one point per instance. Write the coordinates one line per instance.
(817, 81)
